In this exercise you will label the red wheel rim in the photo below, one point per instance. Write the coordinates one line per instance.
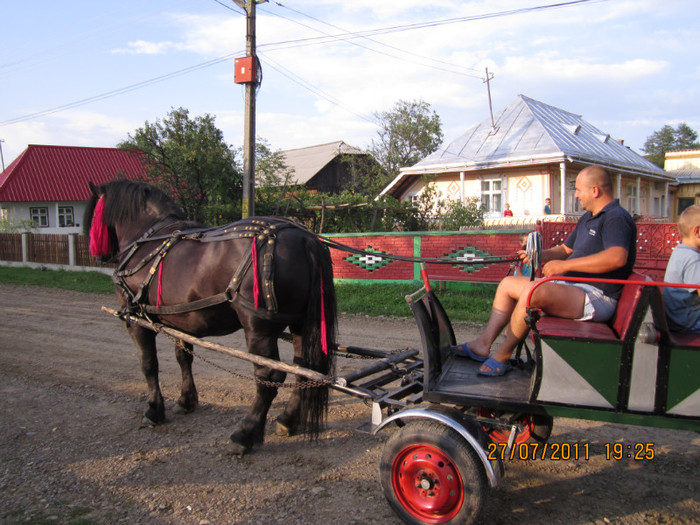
(427, 483)
(499, 435)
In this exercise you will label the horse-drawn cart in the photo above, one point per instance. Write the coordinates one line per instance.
(456, 427)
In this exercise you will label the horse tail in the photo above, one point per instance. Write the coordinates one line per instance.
(318, 335)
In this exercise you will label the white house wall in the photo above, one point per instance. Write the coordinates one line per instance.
(526, 189)
(19, 213)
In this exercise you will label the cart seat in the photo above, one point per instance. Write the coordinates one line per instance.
(678, 384)
(623, 325)
(665, 335)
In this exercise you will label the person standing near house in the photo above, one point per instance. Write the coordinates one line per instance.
(603, 244)
(548, 206)
(682, 305)
(507, 212)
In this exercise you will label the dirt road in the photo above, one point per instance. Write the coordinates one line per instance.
(72, 450)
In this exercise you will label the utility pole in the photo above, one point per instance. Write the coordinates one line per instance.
(1, 157)
(487, 80)
(250, 79)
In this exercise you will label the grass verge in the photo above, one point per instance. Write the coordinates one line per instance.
(472, 305)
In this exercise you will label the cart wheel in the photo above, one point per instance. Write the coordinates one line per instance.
(536, 428)
(430, 474)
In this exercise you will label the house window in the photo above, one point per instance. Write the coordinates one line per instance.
(660, 206)
(65, 216)
(491, 195)
(40, 217)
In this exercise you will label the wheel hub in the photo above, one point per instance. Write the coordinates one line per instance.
(427, 483)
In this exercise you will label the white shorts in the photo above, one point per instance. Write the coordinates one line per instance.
(597, 306)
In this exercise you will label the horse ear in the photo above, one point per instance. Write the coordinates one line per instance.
(94, 189)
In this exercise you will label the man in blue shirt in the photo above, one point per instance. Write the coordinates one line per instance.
(602, 245)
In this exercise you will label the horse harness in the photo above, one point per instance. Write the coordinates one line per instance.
(262, 232)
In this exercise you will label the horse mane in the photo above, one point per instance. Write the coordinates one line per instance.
(127, 200)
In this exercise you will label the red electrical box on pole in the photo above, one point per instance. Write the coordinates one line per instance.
(245, 70)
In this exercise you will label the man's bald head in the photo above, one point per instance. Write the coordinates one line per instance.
(600, 177)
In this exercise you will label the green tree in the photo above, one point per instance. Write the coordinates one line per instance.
(273, 181)
(407, 134)
(189, 160)
(458, 214)
(669, 139)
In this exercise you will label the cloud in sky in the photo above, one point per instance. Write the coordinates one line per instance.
(628, 67)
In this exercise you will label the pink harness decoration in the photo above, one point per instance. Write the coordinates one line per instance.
(324, 336)
(254, 258)
(99, 234)
(159, 297)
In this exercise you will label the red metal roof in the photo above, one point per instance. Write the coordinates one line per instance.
(61, 173)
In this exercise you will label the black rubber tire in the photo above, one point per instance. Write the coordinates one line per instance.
(430, 474)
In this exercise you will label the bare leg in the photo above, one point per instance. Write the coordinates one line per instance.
(504, 303)
(556, 299)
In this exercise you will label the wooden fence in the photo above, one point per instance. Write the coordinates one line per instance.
(44, 248)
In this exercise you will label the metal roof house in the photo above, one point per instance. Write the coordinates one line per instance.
(47, 186)
(327, 168)
(531, 151)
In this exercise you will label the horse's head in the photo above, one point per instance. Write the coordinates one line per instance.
(120, 211)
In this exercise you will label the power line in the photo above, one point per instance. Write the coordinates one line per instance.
(120, 91)
(349, 40)
(306, 85)
(346, 36)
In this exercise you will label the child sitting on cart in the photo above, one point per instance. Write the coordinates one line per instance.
(682, 305)
(602, 245)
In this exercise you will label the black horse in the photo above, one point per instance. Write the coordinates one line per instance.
(261, 274)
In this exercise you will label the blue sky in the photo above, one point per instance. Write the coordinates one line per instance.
(86, 73)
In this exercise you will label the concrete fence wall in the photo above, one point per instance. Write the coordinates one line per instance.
(654, 245)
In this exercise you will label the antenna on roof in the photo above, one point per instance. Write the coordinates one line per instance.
(1, 157)
(487, 80)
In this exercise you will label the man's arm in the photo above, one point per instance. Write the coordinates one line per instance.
(550, 254)
(609, 259)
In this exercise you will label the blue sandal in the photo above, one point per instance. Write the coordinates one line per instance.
(464, 351)
(497, 368)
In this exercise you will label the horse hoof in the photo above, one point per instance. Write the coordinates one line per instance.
(147, 422)
(283, 430)
(239, 450)
(180, 410)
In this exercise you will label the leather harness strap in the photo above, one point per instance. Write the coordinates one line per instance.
(263, 233)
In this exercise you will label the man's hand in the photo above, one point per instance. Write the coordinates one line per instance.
(555, 267)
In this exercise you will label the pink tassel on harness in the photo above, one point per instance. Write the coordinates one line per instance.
(256, 285)
(159, 299)
(324, 335)
(99, 234)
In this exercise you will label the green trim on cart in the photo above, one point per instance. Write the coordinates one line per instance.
(644, 420)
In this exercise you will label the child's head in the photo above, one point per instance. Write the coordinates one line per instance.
(523, 240)
(689, 225)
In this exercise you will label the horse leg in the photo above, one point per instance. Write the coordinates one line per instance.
(189, 398)
(288, 421)
(145, 340)
(251, 430)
